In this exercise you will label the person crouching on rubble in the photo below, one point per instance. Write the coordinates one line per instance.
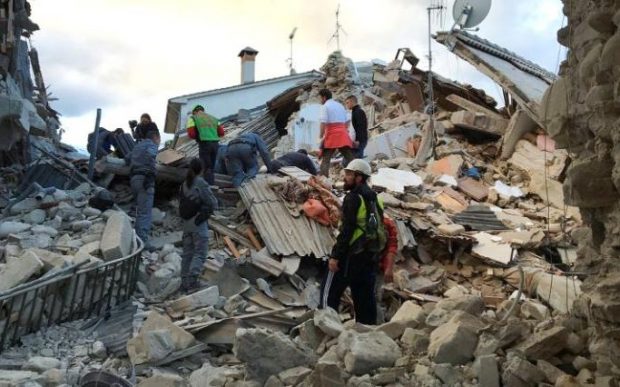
(196, 205)
(362, 238)
(142, 182)
(241, 160)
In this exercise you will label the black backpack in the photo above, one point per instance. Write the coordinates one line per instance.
(188, 207)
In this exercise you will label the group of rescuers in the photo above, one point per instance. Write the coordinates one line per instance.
(363, 256)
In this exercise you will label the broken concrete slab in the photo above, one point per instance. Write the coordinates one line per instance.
(520, 124)
(543, 345)
(168, 337)
(479, 122)
(369, 351)
(41, 364)
(163, 380)
(117, 238)
(328, 321)
(488, 375)
(19, 269)
(283, 353)
(7, 228)
(535, 310)
(453, 342)
(409, 311)
(492, 248)
(395, 180)
(205, 297)
(294, 376)
(520, 372)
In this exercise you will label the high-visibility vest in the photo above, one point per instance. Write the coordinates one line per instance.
(206, 125)
(361, 219)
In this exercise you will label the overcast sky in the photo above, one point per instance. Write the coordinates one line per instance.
(130, 56)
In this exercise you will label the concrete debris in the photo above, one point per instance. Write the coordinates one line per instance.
(117, 237)
(282, 355)
(479, 196)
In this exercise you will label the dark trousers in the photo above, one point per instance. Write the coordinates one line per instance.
(359, 151)
(326, 158)
(360, 277)
(207, 151)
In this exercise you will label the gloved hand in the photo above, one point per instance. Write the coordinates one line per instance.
(200, 218)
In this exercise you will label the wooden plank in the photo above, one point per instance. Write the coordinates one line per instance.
(221, 229)
(232, 247)
(252, 237)
(472, 106)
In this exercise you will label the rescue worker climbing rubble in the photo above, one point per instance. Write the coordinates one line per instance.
(362, 238)
(207, 132)
(143, 171)
(241, 161)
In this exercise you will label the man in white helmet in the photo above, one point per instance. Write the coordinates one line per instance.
(362, 238)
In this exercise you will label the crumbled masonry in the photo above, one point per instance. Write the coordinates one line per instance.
(507, 223)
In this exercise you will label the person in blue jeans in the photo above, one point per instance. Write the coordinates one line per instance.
(143, 169)
(196, 206)
(241, 161)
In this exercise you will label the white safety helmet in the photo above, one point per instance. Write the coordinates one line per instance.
(360, 166)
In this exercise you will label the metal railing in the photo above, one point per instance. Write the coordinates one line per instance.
(67, 295)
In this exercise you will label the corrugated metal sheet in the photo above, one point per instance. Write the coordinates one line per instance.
(282, 233)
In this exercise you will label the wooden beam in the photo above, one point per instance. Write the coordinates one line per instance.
(233, 234)
(250, 234)
(232, 247)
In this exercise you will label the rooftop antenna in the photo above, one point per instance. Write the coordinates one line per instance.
(290, 59)
(430, 103)
(469, 13)
(338, 29)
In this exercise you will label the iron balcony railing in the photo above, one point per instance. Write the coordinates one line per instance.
(70, 294)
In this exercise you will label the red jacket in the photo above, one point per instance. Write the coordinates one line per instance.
(391, 246)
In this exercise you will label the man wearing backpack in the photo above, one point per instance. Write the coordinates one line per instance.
(354, 259)
(196, 204)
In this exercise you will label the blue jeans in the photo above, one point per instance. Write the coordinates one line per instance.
(241, 163)
(195, 247)
(144, 193)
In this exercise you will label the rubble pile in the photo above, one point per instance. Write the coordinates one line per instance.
(485, 290)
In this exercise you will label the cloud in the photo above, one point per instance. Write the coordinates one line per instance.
(130, 56)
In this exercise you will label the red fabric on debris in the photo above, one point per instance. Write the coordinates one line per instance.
(314, 209)
(323, 190)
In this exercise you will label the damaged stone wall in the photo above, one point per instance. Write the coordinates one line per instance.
(24, 106)
(581, 112)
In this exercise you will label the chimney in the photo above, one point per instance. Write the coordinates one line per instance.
(248, 56)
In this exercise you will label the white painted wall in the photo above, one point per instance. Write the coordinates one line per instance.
(229, 102)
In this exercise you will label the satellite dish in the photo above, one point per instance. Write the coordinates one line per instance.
(470, 13)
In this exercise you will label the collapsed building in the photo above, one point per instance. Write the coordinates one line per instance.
(488, 287)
